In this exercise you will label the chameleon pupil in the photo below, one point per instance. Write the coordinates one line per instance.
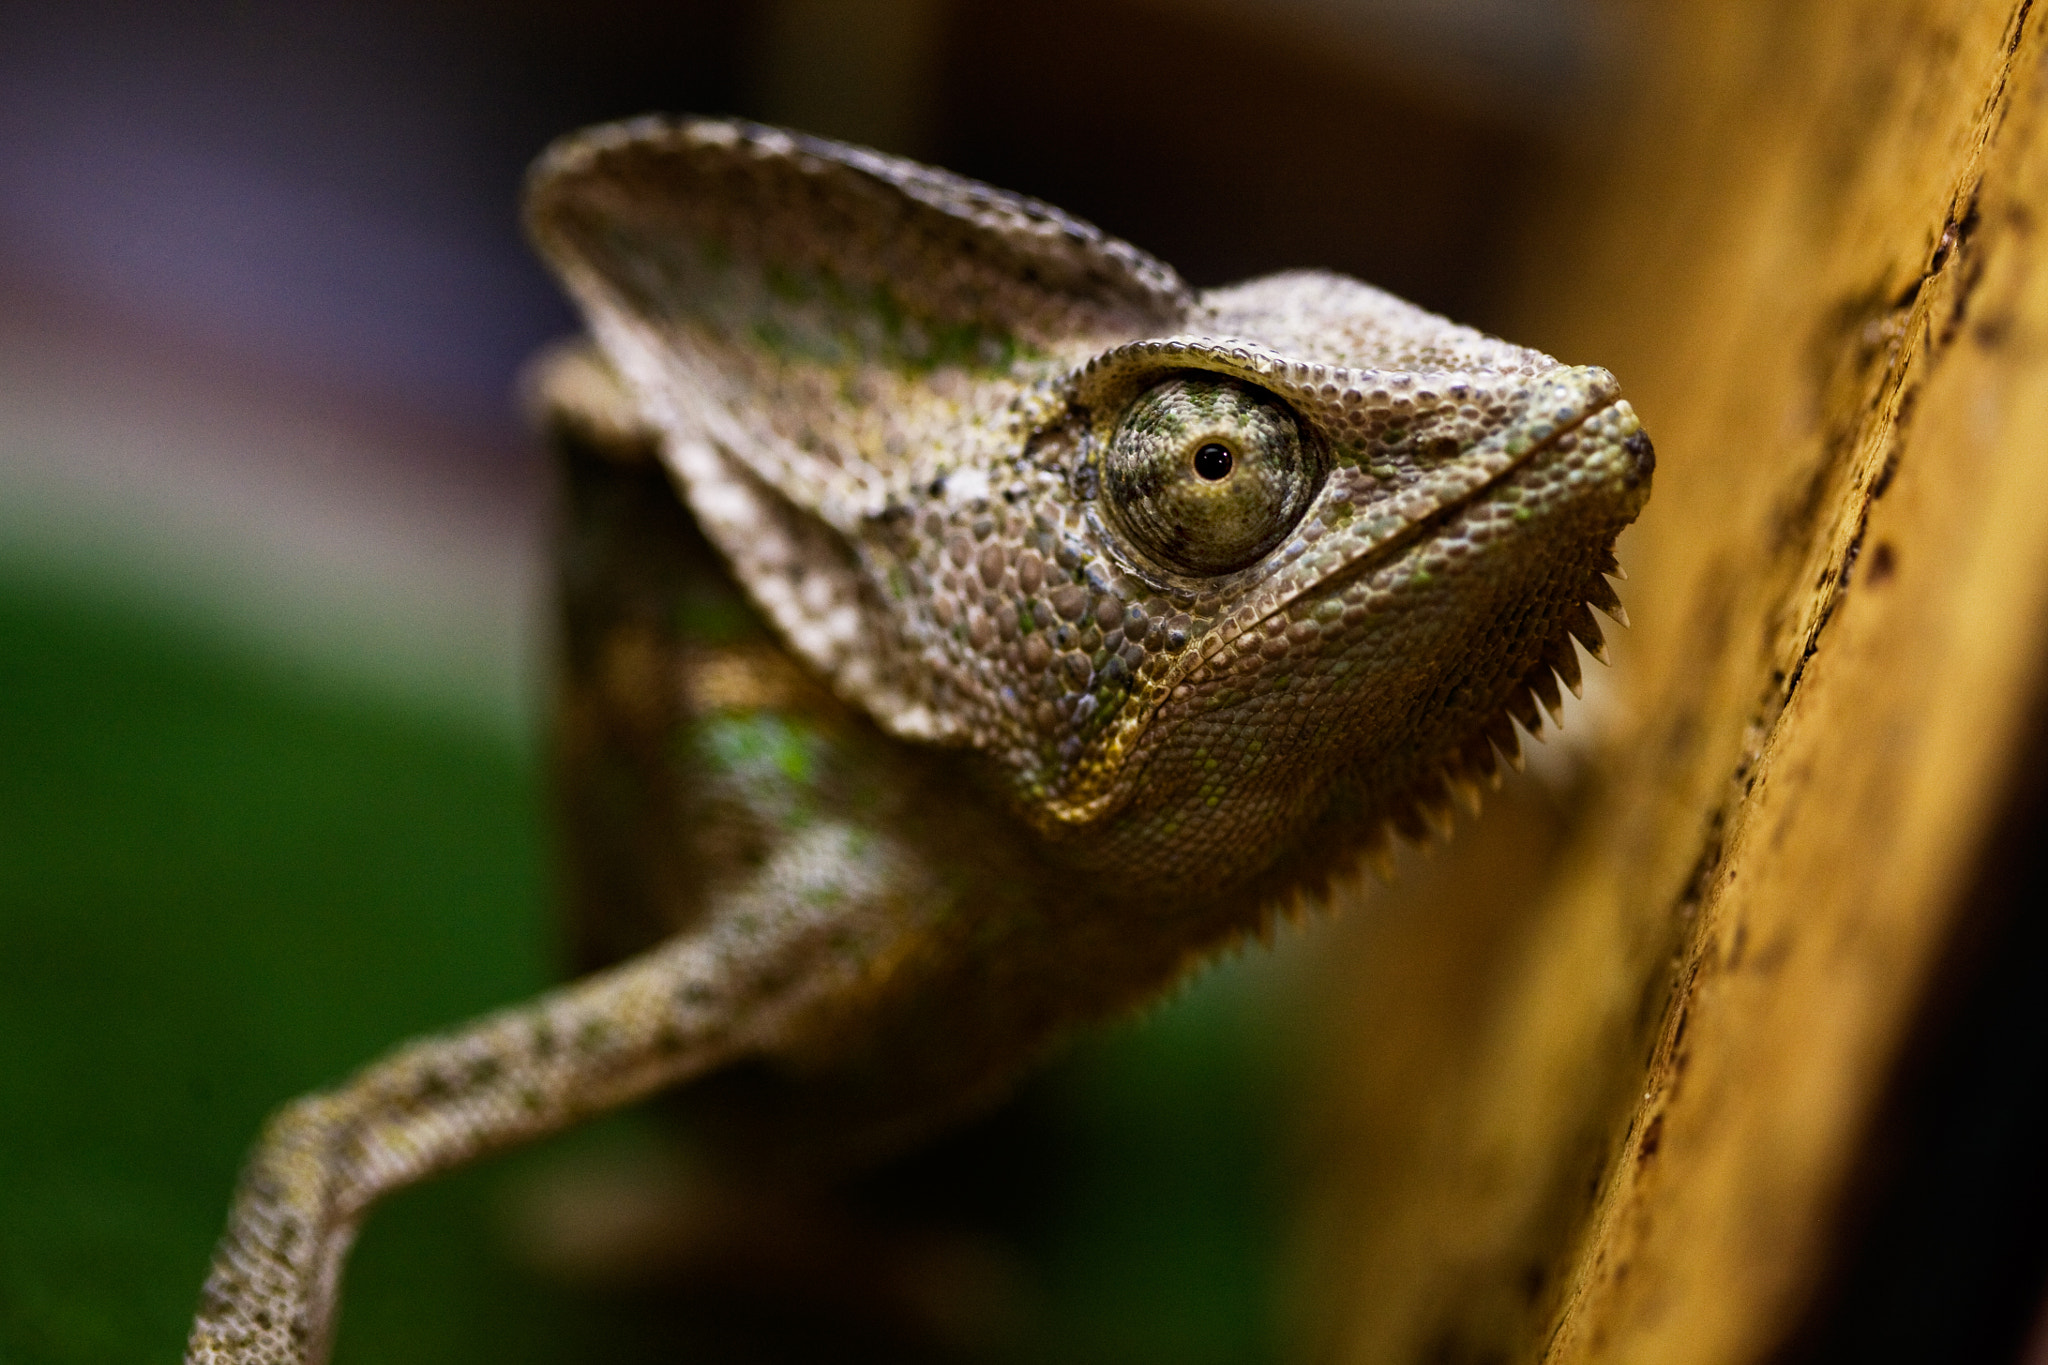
(1213, 462)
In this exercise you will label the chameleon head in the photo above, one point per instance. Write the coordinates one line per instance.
(1212, 580)
(1338, 641)
(1331, 550)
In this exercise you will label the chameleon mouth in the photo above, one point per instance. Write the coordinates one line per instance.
(1424, 811)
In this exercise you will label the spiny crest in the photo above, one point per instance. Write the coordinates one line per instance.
(1423, 814)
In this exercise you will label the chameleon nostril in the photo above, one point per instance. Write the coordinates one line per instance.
(1638, 445)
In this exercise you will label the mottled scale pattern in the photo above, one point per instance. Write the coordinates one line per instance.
(890, 747)
(962, 579)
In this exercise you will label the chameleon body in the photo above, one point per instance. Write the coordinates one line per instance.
(970, 627)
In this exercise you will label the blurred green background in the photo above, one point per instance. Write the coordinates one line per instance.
(272, 606)
(229, 881)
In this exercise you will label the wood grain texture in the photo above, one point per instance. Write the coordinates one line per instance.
(1812, 252)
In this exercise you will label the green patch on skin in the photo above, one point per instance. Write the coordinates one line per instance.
(760, 744)
(1108, 701)
(592, 1035)
(772, 337)
(715, 254)
(786, 284)
(821, 319)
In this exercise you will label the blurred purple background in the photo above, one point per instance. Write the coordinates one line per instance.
(263, 297)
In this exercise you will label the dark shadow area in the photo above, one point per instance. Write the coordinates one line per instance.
(1231, 148)
(1951, 1257)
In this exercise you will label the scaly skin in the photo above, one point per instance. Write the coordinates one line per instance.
(951, 689)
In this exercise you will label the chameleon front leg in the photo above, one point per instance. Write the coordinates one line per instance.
(771, 949)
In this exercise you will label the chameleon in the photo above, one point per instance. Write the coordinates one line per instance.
(969, 629)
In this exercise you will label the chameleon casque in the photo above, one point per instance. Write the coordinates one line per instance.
(969, 628)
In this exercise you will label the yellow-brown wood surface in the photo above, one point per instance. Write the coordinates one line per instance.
(1620, 1119)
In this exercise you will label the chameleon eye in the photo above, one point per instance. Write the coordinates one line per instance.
(1207, 474)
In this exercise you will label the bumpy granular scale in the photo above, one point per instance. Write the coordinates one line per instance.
(896, 737)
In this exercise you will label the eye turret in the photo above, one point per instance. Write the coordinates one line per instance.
(1205, 474)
